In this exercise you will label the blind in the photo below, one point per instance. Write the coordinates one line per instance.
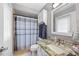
(62, 24)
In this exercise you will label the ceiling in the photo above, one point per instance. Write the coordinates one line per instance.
(28, 9)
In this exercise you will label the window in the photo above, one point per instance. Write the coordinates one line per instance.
(62, 24)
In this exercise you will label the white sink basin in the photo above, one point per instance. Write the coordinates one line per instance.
(56, 49)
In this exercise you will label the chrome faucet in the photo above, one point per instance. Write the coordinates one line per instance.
(58, 41)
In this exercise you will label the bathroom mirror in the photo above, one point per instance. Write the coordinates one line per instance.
(62, 20)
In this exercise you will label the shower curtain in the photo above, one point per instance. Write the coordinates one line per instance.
(26, 32)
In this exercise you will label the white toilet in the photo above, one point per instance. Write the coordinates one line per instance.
(34, 49)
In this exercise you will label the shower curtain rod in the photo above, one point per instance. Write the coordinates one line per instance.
(25, 16)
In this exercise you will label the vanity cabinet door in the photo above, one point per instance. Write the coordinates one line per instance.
(41, 52)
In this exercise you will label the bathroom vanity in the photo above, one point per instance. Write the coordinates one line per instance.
(50, 48)
(64, 22)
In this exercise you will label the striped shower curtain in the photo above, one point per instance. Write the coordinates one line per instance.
(26, 32)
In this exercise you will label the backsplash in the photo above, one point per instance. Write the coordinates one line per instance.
(67, 40)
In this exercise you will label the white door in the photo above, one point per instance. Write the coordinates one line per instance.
(5, 29)
(1, 35)
(1, 26)
(1, 29)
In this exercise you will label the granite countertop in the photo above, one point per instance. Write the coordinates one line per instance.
(43, 44)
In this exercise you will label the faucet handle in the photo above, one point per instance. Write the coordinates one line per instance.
(58, 41)
(62, 42)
